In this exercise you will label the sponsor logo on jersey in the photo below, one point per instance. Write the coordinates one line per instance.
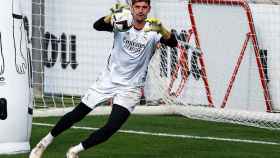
(132, 46)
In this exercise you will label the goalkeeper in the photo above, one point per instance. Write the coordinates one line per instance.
(122, 79)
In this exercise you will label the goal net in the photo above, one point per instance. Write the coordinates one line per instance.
(224, 68)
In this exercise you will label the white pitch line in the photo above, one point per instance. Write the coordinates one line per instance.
(173, 135)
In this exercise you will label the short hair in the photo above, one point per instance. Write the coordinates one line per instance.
(147, 1)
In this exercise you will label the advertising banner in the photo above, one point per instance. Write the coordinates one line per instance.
(15, 78)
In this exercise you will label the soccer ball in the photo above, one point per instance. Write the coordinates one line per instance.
(122, 21)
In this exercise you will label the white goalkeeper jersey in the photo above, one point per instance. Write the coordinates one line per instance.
(130, 56)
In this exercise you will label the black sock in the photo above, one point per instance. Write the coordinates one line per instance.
(116, 119)
(76, 115)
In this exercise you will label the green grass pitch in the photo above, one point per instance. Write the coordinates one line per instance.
(132, 145)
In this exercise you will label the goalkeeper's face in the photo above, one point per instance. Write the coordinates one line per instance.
(140, 11)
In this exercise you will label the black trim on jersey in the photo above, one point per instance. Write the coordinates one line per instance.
(171, 42)
(100, 25)
(108, 62)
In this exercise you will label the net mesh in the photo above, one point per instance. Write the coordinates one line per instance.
(223, 67)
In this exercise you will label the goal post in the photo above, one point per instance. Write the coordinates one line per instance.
(224, 68)
(249, 36)
(233, 71)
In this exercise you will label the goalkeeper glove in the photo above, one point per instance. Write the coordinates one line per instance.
(118, 7)
(156, 25)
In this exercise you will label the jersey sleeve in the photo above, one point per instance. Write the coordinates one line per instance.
(171, 42)
(100, 25)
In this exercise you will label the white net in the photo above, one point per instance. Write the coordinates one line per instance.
(225, 67)
(202, 78)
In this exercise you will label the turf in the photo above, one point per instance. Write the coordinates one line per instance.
(124, 145)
